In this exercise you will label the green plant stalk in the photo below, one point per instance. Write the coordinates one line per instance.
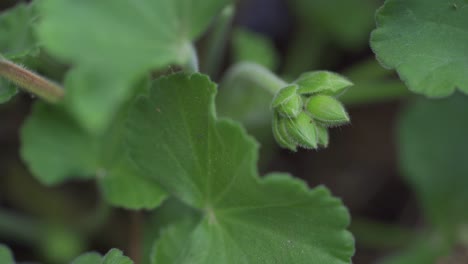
(31, 81)
(217, 42)
(256, 74)
(192, 64)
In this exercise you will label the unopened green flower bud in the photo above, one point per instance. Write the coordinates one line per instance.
(302, 130)
(322, 82)
(322, 135)
(280, 134)
(287, 102)
(327, 110)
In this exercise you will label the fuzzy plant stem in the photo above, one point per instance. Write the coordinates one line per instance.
(255, 74)
(30, 81)
(192, 64)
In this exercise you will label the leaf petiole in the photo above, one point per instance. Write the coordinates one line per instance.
(31, 81)
(256, 74)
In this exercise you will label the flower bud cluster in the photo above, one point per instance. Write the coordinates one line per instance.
(304, 110)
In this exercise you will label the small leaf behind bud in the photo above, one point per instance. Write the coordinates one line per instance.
(327, 110)
(322, 82)
(302, 130)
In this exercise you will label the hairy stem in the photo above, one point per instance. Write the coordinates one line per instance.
(31, 81)
(255, 74)
(192, 64)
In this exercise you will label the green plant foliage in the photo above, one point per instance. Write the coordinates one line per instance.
(114, 42)
(16, 33)
(56, 149)
(254, 47)
(348, 22)
(433, 143)
(16, 41)
(170, 213)
(423, 252)
(426, 42)
(210, 165)
(114, 256)
(60, 244)
(6, 257)
(88, 258)
(7, 91)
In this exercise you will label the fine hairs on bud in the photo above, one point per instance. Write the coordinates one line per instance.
(305, 109)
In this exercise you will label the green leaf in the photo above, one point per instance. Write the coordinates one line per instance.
(172, 240)
(60, 244)
(16, 33)
(426, 42)
(254, 47)
(16, 41)
(56, 149)
(211, 165)
(433, 144)
(6, 257)
(7, 91)
(88, 258)
(347, 22)
(114, 256)
(115, 42)
(170, 213)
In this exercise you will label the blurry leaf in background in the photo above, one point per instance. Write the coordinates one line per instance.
(347, 22)
(372, 84)
(254, 47)
(124, 40)
(7, 91)
(170, 213)
(59, 244)
(88, 258)
(16, 33)
(6, 257)
(423, 252)
(247, 102)
(114, 256)
(426, 42)
(16, 41)
(56, 149)
(211, 165)
(433, 155)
